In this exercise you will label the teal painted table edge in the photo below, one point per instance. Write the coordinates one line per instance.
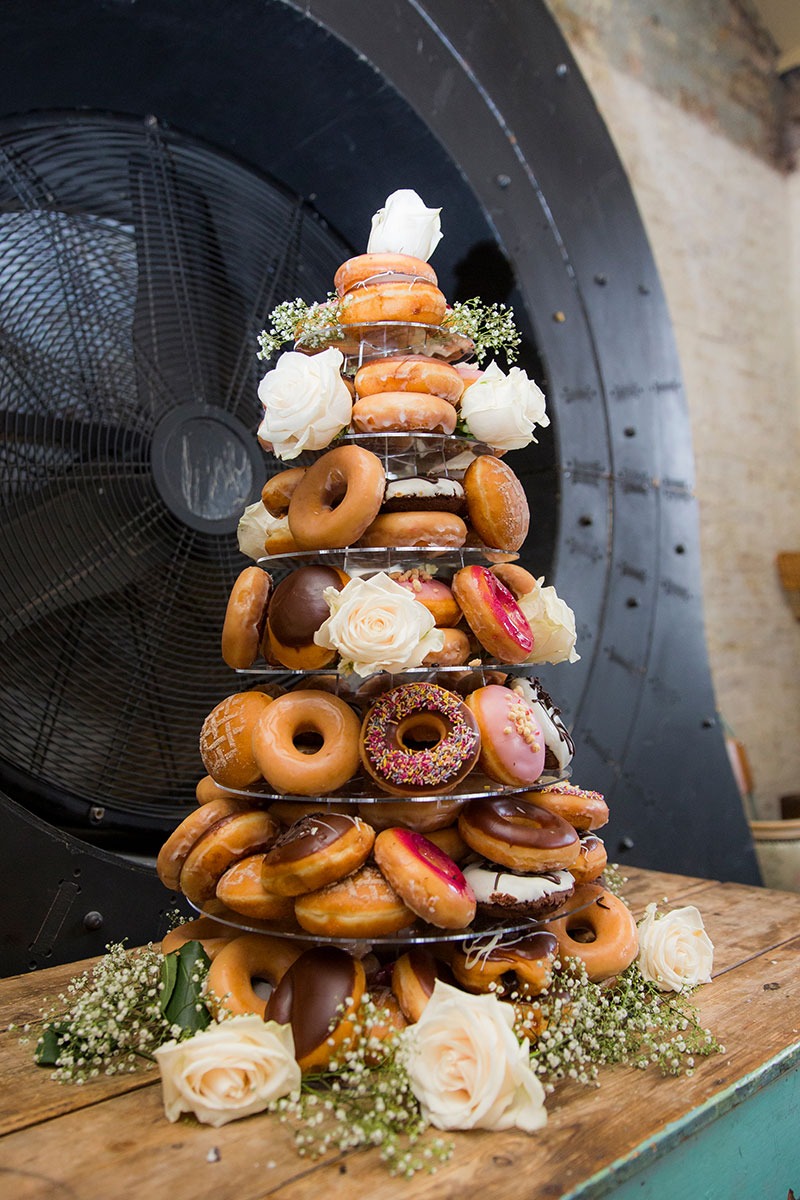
(625, 1176)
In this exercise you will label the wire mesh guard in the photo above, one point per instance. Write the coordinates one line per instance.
(136, 267)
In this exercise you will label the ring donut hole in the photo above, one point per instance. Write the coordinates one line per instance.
(421, 731)
(308, 738)
(579, 931)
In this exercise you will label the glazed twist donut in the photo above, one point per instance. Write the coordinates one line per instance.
(613, 941)
(229, 986)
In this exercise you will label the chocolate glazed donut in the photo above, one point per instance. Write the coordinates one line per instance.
(318, 996)
(518, 834)
(297, 610)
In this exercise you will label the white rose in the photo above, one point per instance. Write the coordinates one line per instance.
(306, 402)
(229, 1070)
(405, 226)
(502, 410)
(467, 1068)
(254, 525)
(377, 625)
(675, 952)
(552, 623)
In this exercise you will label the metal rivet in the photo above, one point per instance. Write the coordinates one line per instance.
(708, 723)
(502, 181)
(150, 120)
(561, 70)
(585, 519)
(632, 602)
(680, 548)
(93, 920)
(600, 279)
(629, 431)
(643, 291)
(559, 317)
(626, 843)
(96, 813)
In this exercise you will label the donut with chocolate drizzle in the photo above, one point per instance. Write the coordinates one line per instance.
(524, 966)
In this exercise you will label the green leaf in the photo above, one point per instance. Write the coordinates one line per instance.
(181, 1008)
(47, 1048)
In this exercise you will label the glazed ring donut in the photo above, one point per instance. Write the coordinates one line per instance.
(337, 498)
(232, 838)
(592, 859)
(403, 412)
(512, 742)
(229, 985)
(387, 740)
(181, 841)
(417, 529)
(287, 768)
(414, 977)
(518, 581)
(207, 790)
(211, 935)
(584, 810)
(435, 595)
(319, 996)
(493, 614)
(297, 610)
(516, 834)
(240, 888)
(245, 615)
(496, 503)
(363, 905)
(455, 651)
(614, 940)
(317, 850)
(515, 894)
(423, 816)
(401, 300)
(413, 373)
(374, 266)
(226, 739)
(524, 967)
(425, 879)
(277, 491)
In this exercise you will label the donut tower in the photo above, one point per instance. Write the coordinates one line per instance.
(386, 799)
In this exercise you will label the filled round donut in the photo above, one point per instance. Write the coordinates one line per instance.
(286, 765)
(176, 848)
(319, 996)
(519, 835)
(245, 615)
(602, 935)
(378, 268)
(425, 879)
(279, 489)
(423, 816)
(493, 614)
(393, 299)
(212, 936)
(233, 838)
(317, 850)
(403, 412)
(297, 610)
(524, 966)
(226, 739)
(241, 889)
(414, 977)
(415, 529)
(337, 498)
(584, 810)
(415, 493)
(398, 726)
(591, 861)
(496, 502)
(412, 373)
(515, 894)
(229, 984)
(455, 650)
(363, 905)
(435, 595)
(512, 744)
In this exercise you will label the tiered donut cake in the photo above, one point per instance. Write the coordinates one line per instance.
(385, 781)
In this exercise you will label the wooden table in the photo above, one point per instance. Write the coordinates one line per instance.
(731, 1131)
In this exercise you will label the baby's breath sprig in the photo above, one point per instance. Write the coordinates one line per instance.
(614, 881)
(295, 318)
(491, 327)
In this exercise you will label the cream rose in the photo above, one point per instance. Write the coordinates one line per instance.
(467, 1068)
(675, 952)
(405, 226)
(552, 624)
(229, 1070)
(502, 410)
(306, 402)
(377, 625)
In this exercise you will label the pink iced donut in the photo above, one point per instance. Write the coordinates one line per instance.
(425, 878)
(512, 742)
(493, 614)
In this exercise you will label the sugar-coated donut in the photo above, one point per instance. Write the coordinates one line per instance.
(207, 790)
(231, 839)
(584, 810)
(435, 595)
(558, 744)
(277, 491)
(493, 614)
(592, 859)
(363, 905)
(297, 609)
(512, 745)
(226, 739)
(245, 615)
(229, 984)
(395, 299)
(175, 851)
(415, 529)
(528, 961)
(392, 750)
(425, 879)
(317, 850)
(403, 412)
(615, 940)
(512, 893)
(414, 977)
(212, 936)
(496, 503)
(415, 493)
(319, 996)
(240, 888)
(288, 768)
(379, 268)
(337, 498)
(519, 835)
(455, 650)
(424, 816)
(412, 373)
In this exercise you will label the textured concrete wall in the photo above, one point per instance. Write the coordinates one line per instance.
(689, 97)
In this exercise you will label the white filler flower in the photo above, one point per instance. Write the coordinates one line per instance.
(306, 402)
(405, 226)
(467, 1067)
(503, 410)
(675, 952)
(552, 623)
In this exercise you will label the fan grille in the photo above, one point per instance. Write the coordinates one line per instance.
(136, 267)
